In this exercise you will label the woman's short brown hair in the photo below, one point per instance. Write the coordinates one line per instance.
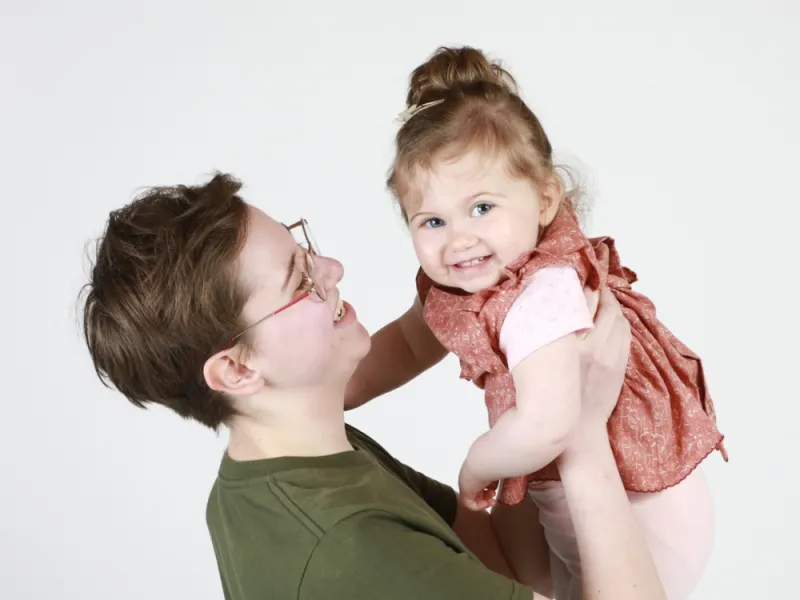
(163, 295)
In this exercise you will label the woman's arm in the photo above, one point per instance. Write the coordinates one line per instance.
(522, 540)
(476, 531)
(400, 351)
(615, 560)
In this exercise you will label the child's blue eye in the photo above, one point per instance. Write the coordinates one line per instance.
(433, 223)
(480, 209)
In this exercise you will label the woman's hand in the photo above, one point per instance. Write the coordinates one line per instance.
(604, 354)
(604, 357)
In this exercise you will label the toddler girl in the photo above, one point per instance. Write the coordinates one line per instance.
(504, 266)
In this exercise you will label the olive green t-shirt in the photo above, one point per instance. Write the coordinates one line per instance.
(357, 525)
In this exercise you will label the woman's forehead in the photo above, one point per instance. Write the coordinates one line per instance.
(268, 253)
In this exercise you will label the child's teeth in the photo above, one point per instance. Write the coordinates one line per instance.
(472, 262)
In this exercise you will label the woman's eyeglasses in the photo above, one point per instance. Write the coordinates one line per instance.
(302, 235)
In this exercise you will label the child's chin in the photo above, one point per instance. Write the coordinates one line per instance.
(479, 283)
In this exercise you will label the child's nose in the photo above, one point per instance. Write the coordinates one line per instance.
(462, 240)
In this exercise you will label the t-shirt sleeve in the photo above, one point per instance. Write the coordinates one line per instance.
(375, 555)
(439, 496)
(551, 306)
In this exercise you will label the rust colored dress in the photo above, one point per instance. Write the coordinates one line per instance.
(664, 423)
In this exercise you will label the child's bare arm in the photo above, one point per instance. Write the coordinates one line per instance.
(400, 351)
(534, 432)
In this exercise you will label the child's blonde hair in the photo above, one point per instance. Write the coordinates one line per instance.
(459, 100)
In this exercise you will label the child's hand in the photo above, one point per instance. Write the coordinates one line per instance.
(474, 493)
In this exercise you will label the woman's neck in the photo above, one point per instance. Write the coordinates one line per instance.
(306, 423)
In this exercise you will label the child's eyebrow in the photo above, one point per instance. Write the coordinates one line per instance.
(477, 195)
(420, 214)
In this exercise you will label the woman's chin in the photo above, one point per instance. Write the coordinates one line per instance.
(354, 334)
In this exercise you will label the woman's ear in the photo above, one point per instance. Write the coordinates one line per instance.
(224, 372)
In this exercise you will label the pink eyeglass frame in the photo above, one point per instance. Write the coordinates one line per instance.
(311, 251)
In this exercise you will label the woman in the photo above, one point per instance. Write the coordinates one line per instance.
(206, 305)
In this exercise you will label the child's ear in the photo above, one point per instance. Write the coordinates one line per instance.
(550, 194)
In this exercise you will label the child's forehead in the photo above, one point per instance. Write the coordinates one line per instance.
(473, 165)
(457, 176)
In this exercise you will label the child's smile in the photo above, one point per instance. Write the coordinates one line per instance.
(472, 219)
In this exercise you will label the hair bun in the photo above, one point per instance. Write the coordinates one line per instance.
(456, 69)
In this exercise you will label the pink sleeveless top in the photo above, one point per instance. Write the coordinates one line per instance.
(664, 424)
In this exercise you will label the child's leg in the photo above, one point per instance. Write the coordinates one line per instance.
(557, 524)
(678, 525)
(562, 580)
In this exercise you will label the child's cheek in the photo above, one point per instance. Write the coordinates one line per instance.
(431, 263)
(423, 248)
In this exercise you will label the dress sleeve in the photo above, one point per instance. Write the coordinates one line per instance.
(551, 306)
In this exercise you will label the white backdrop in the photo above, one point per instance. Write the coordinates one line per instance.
(685, 113)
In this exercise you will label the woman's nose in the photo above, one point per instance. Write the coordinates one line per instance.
(331, 271)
